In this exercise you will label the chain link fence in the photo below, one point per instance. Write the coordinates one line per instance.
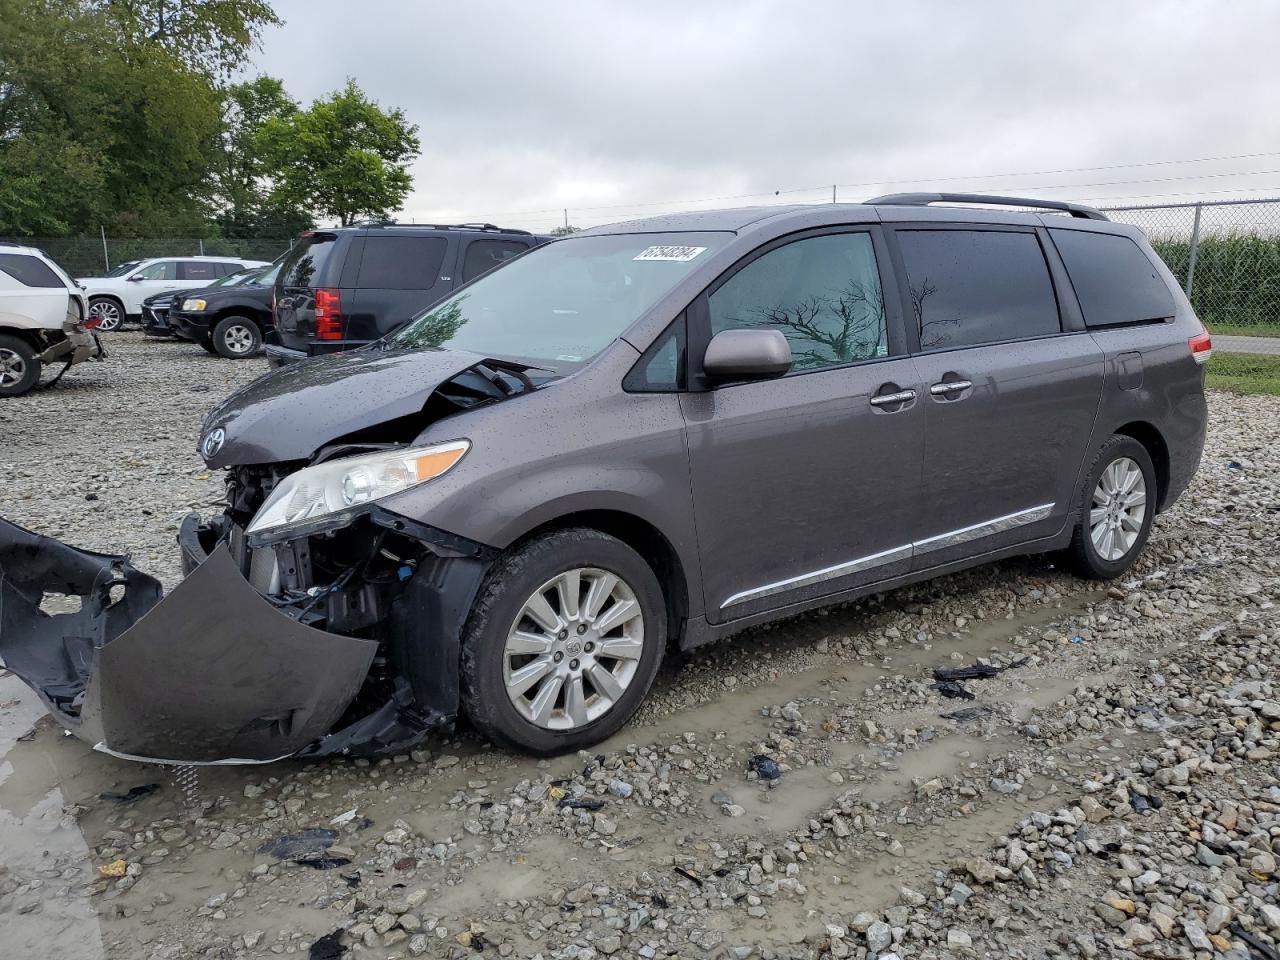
(1226, 255)
(94, 256)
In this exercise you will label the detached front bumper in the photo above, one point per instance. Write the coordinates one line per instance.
(213, 672)
(78, 345)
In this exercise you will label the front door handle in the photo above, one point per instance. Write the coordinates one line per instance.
(888, 399)
(950, 386)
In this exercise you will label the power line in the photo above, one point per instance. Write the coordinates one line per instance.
(914, 180)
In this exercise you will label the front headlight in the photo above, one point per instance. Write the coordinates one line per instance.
(339, 488)
(193, 305)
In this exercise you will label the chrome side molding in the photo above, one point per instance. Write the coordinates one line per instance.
(906, 551)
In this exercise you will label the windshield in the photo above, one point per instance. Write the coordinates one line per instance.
(234, 279)
(121, 269)
(562, 303)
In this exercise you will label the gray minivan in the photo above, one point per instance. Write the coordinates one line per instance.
(653, 433)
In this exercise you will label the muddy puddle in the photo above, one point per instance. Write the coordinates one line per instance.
(54, 818)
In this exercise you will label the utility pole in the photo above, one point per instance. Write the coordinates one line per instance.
(105, 256)
(833, 193)
(566, 218)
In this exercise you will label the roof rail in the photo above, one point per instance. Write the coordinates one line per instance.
(924, 199)
(486, 227)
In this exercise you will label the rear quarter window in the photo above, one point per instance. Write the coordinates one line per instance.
(484, 255)
(309, 262)
(401, 263)
(1115, 281)
(29, 271)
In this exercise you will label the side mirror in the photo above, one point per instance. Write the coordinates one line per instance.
(747, 355)
(136, 278)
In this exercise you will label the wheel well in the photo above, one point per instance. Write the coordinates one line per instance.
(109, 296)
(1157, 450)
(645, 539)
(236, 312)
(30, 337)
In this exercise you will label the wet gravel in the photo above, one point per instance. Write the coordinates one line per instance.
(1113, 792)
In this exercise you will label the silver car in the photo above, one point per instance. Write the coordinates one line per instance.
(650, 434)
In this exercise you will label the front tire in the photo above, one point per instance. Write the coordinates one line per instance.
(236, 338)
(19, 366)
(109, 313)
(208, 347)
(1116, 508)
(563, 642)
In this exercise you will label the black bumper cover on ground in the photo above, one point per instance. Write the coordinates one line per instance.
(211, 673)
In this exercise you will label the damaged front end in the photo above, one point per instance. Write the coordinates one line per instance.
(355, 660)
(339, 636)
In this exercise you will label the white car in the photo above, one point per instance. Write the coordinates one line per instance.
(43, 319)
(118, 296)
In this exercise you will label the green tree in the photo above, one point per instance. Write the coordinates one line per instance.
(240, 186)
(109, 111)
(212, 37)
(344, 158)
(565, 230)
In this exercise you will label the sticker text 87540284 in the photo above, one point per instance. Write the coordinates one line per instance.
(670, 253)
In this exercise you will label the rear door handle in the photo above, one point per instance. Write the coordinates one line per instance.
(888, 399)
(949, 386)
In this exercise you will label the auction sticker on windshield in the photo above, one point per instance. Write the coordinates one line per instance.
(670, 253)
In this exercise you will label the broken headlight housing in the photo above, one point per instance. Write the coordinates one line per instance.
(328, 495)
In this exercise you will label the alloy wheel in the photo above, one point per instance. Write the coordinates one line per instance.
(1118, 510)
(238, 339)
(12, 368)
(573, 649)
(107, 314)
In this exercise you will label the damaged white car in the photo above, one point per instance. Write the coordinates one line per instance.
(42, 320)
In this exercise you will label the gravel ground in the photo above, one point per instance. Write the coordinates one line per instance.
(1112, 791)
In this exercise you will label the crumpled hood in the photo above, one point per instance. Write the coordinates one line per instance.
(291, 412)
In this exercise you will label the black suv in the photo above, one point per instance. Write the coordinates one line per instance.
(229, 319)
(348, 286)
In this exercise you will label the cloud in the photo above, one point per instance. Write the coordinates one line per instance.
(528, 108)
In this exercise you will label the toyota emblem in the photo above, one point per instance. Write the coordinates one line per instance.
(213, 441)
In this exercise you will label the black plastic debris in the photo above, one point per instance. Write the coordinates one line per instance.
(328, 947)
(133, 793)
(1257, 948)
(953, 690)
(948, 682)
(309, 844)
(573, 803)
(659, 901)
(977, 671)
(324, 863)
(965, 714)
(1141, 803)
(765, 767)
(688, 875)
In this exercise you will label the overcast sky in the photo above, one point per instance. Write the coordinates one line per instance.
(619, 110)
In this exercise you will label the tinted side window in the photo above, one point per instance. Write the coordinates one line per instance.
(308, 260)
(401, 263)
(29, 271)
(484, 255)
(164, 270)
(823, 293)
(199, 270)
(1114, 280)
(977, 286)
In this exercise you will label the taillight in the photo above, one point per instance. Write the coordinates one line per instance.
(1201, 347)
(328, 314)
(91, 322)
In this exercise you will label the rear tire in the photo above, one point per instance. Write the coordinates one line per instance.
(590, 655)
(19, 366)
(109, 313)
(1115, 509)
(236, 338)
